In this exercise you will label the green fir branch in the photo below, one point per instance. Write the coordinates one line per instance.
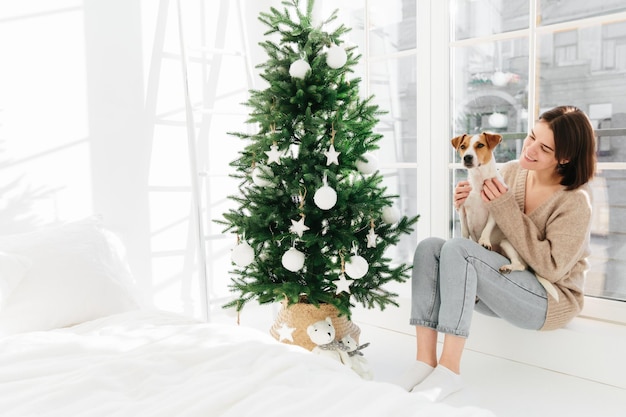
(305, 113)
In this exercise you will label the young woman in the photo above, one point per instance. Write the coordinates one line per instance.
(545, 212)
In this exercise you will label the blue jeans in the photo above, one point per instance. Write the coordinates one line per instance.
(453, 278)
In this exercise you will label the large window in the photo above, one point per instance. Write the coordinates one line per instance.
(501, 65)
(529, 56)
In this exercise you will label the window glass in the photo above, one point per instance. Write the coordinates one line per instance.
(556, 11)
(401, 183)
(475, 18)
(392, 26)
(592, 78)
(392, 82)
(491, 88)
(581, 63)
(565, 47)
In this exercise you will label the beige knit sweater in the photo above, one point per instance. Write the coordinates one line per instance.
(553, 239)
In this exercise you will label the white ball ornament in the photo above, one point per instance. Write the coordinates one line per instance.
(391, 215)
(242, 254)
(356, 267)
(299, 68)
(293, 260)
(498, 120)
(260, 174)
(500, 79)
(369, 166)
(336, 57)
(295, 150)
(325, 197)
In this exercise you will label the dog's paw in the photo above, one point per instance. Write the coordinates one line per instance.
(485, 243)
(506, 269)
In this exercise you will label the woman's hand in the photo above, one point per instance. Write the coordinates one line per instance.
(461, 192)
(492, 189)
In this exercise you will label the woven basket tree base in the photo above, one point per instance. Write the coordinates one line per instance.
(300, 315)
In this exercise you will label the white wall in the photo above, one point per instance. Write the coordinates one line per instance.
(43, 113)
(92, 121)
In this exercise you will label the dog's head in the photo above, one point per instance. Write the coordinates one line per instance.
(476, 150)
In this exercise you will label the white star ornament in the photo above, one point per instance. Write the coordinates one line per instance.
(298, 227)
(343, 284)
(332, 156)
(273, 155)
(371, 239)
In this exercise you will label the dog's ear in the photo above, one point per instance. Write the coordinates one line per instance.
(456, 142)
(493, 139)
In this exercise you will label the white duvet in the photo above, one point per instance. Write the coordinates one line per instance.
(144, 363)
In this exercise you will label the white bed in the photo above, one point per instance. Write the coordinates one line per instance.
(95, 353)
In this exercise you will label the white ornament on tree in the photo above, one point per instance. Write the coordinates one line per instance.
(371, 238)
(294, 149)
(324, 227)
(242, 254)
(391, 215)
(273, 155)
(325, 197)
(357, 267)
(298, 227)
(293, 260)
(299, 68)
(336, 57)
(332, 155)
(260, 175)
(369, 166)
(343, 284)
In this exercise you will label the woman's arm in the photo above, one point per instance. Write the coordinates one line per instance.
(550, 252)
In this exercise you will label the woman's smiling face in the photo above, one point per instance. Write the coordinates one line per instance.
(538, 150)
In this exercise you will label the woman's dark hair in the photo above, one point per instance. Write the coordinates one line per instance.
(574, 142)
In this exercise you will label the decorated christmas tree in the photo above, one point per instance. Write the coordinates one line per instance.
(313, 221)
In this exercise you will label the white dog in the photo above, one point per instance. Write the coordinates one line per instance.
(476, 153)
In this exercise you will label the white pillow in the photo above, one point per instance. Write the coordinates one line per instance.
(12, 270)
(76, 274)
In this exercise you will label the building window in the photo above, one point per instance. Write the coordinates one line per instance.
(614, 46)
(565, 47)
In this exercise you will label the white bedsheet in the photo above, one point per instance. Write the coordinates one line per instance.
(144, 363)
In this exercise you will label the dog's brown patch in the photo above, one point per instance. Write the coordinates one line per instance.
(480, 146)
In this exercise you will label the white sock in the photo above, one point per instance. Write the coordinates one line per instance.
(412, 376)
(439, 384)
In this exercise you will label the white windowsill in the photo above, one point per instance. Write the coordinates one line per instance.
(605, 310)
(586, 348)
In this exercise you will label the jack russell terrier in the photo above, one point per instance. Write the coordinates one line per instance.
(476, 153)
